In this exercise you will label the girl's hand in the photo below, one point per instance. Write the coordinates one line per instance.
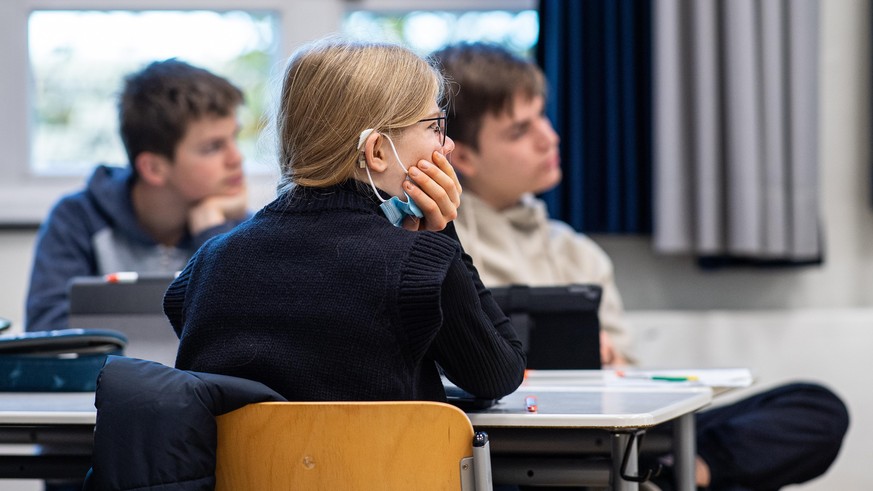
(436, 191)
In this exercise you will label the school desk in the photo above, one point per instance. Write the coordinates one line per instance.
(569, 416)
(574, 423)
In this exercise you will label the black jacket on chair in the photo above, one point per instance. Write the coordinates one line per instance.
(156, 425)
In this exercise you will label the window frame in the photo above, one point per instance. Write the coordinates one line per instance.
(26, 199)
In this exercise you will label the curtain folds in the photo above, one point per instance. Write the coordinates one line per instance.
(735, 129)
(596, 56)
(695, 120)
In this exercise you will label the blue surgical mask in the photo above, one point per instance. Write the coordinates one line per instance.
(394, 209)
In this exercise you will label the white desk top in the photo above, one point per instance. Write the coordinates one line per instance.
(717, 378)
(577, 406)
(56, 408)
(566, 398)
(558, 406)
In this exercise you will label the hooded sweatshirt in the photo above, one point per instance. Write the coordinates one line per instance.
(95, 232)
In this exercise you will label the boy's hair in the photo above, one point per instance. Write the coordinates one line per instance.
(488, 77)
(159, 102)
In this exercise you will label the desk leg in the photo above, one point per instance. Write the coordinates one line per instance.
(620, 442)
(685, 453)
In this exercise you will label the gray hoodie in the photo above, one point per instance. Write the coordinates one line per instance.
(94, 232)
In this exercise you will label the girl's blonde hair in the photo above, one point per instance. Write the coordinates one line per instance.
(332, 90)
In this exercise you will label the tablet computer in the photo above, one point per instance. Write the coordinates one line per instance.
(558, 325)
(119, 293)
(132, 303)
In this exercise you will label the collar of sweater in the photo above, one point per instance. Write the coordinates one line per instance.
(351, 195)
(528, 214)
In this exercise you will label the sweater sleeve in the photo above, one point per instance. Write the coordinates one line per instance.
(63, 251)
(174, 297)
(475, 343)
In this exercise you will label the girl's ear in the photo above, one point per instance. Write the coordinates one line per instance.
(152, 168)
(373, 154)
(464, 160)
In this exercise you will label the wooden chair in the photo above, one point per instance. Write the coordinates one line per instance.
(350, 446)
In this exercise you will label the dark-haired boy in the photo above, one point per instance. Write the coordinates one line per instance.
(506, 151)
(184, 184)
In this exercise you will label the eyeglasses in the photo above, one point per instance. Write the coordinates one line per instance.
(440, 126)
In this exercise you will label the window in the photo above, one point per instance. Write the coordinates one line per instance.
(427, 31)
(63, 63)
(77, 74)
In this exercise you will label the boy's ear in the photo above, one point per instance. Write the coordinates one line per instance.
(375, 154)
(152, 168)
(464, 160)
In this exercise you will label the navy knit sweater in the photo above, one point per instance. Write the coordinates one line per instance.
(320, 298)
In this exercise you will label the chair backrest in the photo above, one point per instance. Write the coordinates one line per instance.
(345, 445)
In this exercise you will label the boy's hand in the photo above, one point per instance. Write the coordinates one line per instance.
(436, 191)
(218, 209)
(608, 354)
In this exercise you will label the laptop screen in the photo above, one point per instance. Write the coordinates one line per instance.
(558, 325)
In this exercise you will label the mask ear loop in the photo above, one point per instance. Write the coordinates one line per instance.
(362, 161)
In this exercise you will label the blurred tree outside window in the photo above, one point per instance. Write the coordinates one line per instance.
(426, 31)
(78, 61)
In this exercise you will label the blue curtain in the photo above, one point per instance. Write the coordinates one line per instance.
(596, 55)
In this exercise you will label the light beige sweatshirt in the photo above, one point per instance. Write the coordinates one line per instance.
(521, 245)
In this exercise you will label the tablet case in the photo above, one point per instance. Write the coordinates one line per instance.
(66, 360)
(558, 326)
